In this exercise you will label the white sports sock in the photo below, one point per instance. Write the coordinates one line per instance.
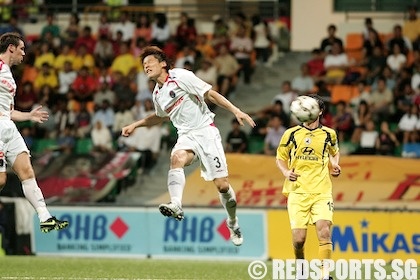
(34, 195)
(228, 200)
(176, 184)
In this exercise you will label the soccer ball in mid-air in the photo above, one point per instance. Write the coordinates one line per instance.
(305, 108)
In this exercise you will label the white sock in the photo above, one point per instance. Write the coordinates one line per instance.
(228, 200)
(34, 195)
(176, 184)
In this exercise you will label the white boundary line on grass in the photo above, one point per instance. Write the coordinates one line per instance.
(71, 278)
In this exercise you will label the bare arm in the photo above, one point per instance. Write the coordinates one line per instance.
(36, 115)
(150, 120)
(221, 101)
(287, 173)
(336, 169)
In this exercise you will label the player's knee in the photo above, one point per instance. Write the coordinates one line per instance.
(299, 244)
(324, 233)
(222, 184)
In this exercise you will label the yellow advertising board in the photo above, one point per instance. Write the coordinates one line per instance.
(356, 235)
(365, 182)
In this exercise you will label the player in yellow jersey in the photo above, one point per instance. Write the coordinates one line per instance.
(303, 156)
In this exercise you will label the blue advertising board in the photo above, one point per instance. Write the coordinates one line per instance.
(142, 232)
(204, 234)
(95, 231)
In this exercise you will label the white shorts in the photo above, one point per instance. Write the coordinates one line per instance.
(207, 145)
(11, 144)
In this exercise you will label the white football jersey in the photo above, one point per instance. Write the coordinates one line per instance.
(182, 99)
(7, 90)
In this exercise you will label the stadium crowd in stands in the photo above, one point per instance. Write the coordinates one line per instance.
(92, 82)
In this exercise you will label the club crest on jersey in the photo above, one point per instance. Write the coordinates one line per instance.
(172, 94)
(308, 140)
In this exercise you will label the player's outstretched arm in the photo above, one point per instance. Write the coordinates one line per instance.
(36, 115)
(221, 101)
(336, 169)
(150, 120)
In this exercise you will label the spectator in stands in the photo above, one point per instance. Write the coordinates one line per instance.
(160, 30)
(12, 26)
(104, 93)
(220, 28)
(46, 55)
(398, 39)
(375, 64)
(84, 86)
(408, 123)
(204, 47)
(28, 136)
(83, 121)
(187, 53)
(368, 137)
(125, 62)
(101, 137)
(236, 140)
(104, 27)
(361, 115)
(382, 99)
(104, 113)
(316, 64)
(242, 46)
(52, 28)
(123, 117)
(46, 77)
(373, 40)
(303, 84)
(368, 28)
(66, 78)
(261, 39)
(125, 26)
(415, 79)
(286, 96)
(238, 21)
(63, 117)
(386, 141)
(26, 98)
(47, 128)
(87, 39)
(138, 46)
(396, 60)
(66, 141)
(363, 94)
(83, 58)
(146, 140)
(143, 28)
(343, 121)
(104, 51)
(207, 72)
(65, 54)
(275, 131)
(185, 31)
(330, 40)
(227, 70)
(336, 64)
(411, 27)
(123, 88)
(324, 92)
(72, 31)
(389, 77)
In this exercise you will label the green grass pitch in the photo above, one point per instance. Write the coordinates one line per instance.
(72, 268)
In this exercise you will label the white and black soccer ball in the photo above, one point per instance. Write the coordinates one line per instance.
(305, 109)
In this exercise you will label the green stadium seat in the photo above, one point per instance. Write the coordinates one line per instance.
(255, 145)
(42, 145)
(84, 146)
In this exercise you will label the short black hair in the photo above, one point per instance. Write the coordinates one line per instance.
(321, 102)
(157, 53)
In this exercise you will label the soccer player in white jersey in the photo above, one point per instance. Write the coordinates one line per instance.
(180, 96)
(13, 150)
